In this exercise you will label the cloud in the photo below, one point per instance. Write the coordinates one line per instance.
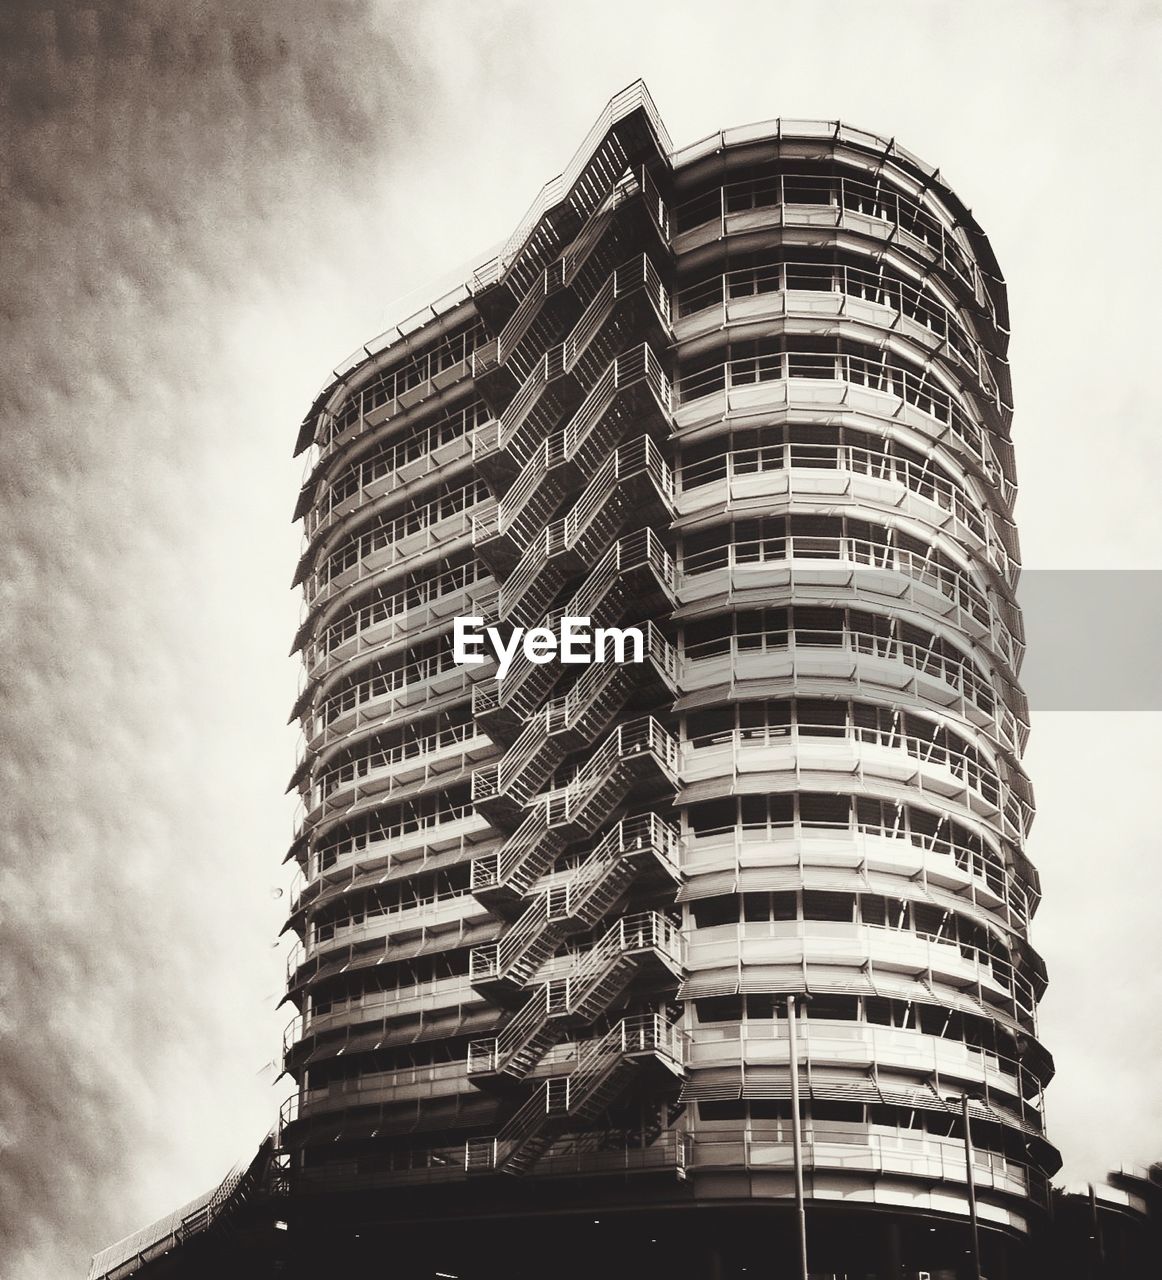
(168, 170)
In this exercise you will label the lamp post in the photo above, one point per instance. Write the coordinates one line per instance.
(964, 1100)
(797, 1135)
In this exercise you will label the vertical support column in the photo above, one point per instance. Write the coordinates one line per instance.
(797, 1139)
(893, 1252)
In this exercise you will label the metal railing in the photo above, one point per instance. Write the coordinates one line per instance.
(642, 549)
(964, 762)
(638, 364)
(568, 898)
(565, 712)
(959, 673)
(842, 195)
(917, 304)
(567, 995)
(641, 457)
(922, 479)
(875, 374)
(509, 866)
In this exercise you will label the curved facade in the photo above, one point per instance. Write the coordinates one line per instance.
(753, 398)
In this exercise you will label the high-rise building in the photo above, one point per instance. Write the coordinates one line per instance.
(752, 398)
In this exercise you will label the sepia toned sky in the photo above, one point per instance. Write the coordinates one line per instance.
(203, 208)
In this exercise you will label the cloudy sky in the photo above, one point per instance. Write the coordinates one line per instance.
(205, 207)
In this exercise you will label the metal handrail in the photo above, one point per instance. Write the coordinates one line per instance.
(562, 713)
(631, 739)
(640, 457)
(636, 550)
(630, 835)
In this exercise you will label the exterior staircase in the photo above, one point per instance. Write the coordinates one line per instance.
(603, 1066)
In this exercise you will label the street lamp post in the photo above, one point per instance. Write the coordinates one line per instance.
(969, 1162)
(797, 1137)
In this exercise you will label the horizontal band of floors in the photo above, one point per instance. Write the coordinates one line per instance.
(426, 846)
(849, 479)
(375, 1016)
(884, 1165)
(874, 165)
(986, 871)
(437, 931)
(375, 631)
(847, 967)
(385, 517)
(935, 738)
(846, 448)
(423, 554)
(394, 697)
(418, 1084)
(416, 843)
(444, 840)
(778, 862)
(924, 369)
(568, 1156)
(786, 949)
(399, 454)
(896, 1171)
(708, 219)
(784, 662)
(775, 760)
(719, 1059)
(353, 1028)
(743, 1062)
(448, 914)
(391, 465)
(892, 294)
(855, 761)
(386, 547)
(362, 412)
(741, 380)
(827, 568)
(786, 860)
(396, 774)
(865, 397)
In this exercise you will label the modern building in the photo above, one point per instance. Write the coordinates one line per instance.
(752, 398)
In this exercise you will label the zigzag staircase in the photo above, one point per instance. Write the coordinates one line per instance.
(636, 848)
(640, 753)
(603, 1064)
(582, 409)
(631, 213)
